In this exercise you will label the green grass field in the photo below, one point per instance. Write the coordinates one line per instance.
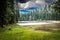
(16, 32)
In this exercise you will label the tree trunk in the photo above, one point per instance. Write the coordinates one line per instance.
(2, 11)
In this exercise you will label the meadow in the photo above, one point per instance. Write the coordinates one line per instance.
(17, 32)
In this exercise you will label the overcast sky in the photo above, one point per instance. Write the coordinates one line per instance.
(34, 3)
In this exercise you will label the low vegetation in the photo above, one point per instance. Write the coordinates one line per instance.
(48, 27)
(16, 32)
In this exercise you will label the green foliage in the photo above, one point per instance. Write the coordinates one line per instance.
(46, 13)
(56, 6)
(10, 12)
(19, 33)
(7, 13)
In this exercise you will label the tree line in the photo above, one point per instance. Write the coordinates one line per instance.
(9, 16)
(45, 13)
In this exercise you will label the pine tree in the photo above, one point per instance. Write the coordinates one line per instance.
(7, 13)
(56, 6)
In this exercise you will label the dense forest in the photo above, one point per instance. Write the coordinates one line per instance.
(7, 14)
(45, 13)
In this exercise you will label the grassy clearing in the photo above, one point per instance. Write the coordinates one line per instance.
(16, 32)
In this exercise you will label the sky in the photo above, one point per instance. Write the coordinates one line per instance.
(27, 4)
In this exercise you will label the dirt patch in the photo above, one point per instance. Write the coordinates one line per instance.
(48, 27)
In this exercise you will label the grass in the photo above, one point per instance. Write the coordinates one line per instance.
(16, 32)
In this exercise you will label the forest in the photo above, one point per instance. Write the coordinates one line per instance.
(9, 15)
(45, 13)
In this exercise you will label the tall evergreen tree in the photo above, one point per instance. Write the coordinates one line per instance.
(56, 6)
(7, 13)
(2, 11)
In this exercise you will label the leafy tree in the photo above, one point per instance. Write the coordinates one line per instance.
(56, 7)
(7, 14)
